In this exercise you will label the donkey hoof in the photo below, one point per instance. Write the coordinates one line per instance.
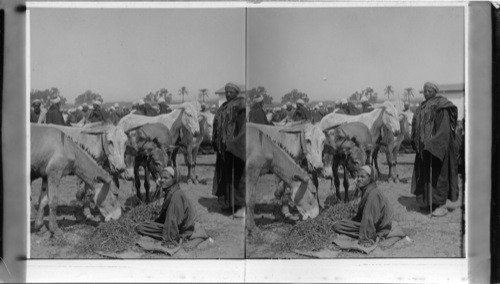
(254, 232)
(57, 233)
(38, 226)
(41, 230)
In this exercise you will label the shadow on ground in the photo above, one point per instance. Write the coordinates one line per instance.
(213, 206)
(411, 204)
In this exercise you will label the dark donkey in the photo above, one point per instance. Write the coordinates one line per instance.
(346, 145)
(149, 147)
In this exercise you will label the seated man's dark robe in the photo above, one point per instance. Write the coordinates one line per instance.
(373, 218)
(176, 219)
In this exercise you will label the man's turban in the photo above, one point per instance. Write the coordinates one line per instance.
(432, 85)
(258, 99)
(232, 87)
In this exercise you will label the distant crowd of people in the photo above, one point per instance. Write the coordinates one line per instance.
(52, 113)
(301, 111)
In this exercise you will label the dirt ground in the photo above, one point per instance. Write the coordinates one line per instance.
(427, 237)
(226, 234)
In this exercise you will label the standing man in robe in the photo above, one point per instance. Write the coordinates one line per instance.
(86, 113)
(54, 114)
(35, 112)
(119, 111)
(164, 108)
(301, 113)
(435, 177)
(146, 109)
(365, 104)
(316, 114)
(97, 113)
(257, 114)
(229, 179)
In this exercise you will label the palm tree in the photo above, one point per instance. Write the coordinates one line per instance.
(183, 92)
(409, 93)
(203, 93)
(389, 91)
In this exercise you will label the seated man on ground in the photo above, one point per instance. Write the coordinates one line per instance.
(177, 217)
(374, 216)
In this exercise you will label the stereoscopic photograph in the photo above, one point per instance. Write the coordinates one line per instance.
(358, 116)
(132, 112)
(247, 133)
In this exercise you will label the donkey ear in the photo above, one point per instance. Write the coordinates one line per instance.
(135, 128)
(94, 131)
(296, 128)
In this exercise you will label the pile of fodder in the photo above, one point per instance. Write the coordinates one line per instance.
(316, 234)
(144, 212)
(118, 235)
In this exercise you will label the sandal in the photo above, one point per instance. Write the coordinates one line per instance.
(440, 212)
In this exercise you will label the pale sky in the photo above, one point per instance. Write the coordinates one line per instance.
(125, 54)
(328, 53)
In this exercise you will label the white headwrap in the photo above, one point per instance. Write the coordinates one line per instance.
(367, 169)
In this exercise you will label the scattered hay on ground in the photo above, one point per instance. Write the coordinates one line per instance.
(112, 236)
(315, 234)
(144, 212)
(118, 235)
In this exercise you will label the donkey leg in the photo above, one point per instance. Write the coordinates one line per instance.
(336, 180)
(395, 163)
(388, 155)
(42, 203)
(54, 180)
(316, 184)
(346, 184)
(252, 178)
(146, 182)
(193, 165)
(375, 159)
(187, 161)
(137, 179)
